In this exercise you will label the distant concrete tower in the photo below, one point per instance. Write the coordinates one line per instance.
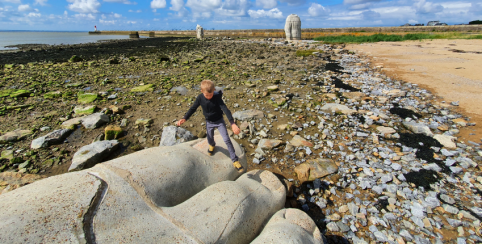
(293, 27)
(199, 32)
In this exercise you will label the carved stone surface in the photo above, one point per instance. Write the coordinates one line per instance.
(157, 195)
(293, 27)
(199, 32)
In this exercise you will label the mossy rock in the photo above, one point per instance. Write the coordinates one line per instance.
(20, 93)
(86, 98)
(132, 59)
(16, 160)
(197, 60)
(75, 59)
(67, 94)
(144, 88)
(5, 93)
(48, 163)
(52, 95)
(78, 84)
(9, 66)
(112, 132)
(79, 110)
(185, 62)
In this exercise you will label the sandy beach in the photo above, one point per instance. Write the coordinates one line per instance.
(448, 68)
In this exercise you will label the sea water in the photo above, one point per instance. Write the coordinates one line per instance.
(8, 38)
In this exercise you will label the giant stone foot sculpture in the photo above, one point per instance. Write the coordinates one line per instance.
(174, 194)
(293, 27)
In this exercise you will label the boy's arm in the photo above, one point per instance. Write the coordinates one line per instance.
(193, 108)
(226, 111)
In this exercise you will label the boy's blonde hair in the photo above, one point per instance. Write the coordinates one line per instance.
(207, 86)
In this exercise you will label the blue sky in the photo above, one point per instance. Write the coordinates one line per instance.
(83, 15)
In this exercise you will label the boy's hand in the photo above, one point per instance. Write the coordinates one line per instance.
(235, 129)
(180, 122)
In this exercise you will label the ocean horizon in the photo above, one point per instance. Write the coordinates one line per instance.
(17, 37)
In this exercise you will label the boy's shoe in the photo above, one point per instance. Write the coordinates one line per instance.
(238, 166)
(210, 150)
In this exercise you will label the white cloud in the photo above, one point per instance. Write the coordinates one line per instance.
(203, 5)
(476, 8)
(131, 22)
(24, 7)
(359, 1)
(120, 1)
(12, 1)
(117, 15)
(317, 10)
(177, 5)
(156, 19)
(155, 4)
(266, 3)
(135, 11)
(35, 15)
(40, 2)
(273, 13)
(412, 21)
(293, 2)
(107, 22)
(84, 16)
(84, 6)
(360, 6)
(370, 15)
(423, 7)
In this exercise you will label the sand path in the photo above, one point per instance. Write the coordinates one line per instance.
(450, 69)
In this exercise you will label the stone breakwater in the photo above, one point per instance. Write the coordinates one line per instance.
(369, 158)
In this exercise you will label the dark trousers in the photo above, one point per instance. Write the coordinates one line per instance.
(221, 126)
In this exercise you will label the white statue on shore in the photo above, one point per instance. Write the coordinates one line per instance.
(199, 32)
(293, 27)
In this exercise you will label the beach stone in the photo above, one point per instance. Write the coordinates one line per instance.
(315, 168)
(248, 115)
(112, 132)
(181, 90)
(334, 107)
(92, 154)
(199, 32)
(81, 110)
(51, 138)
(52, 95)
(450, 209)
(269, 143)
(173, 135)
(94, 120)
(333, 227)
(272, 88)
(86, 98)
(115, 109)
(143, 88)
(357, 96)
(293, 27)
(15, 135)
(142, 121)
(71, 124)
(7, 154)
(418, 128)
(385, 130)
(380, 236)
(446, 141)
(277, 100)
(298, 141)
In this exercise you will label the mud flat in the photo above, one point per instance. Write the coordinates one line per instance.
(368, 155)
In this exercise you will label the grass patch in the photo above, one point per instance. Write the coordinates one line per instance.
(393, 38)
(306, 53)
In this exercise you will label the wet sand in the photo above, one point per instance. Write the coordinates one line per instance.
(451, 69)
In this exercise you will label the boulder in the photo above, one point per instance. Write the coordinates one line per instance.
(298, 141)
(335, 107)
(316, 168)
(81, 110)
(7, 154)
(418, 128)
(112, 132)
(173, 135)
(447, 141)
(385, 130)
(94, 120)
(15, 135)
(248, 115)
(86, 98)
(269, 143)
(142, 121)
(51, 138)
(92, 154)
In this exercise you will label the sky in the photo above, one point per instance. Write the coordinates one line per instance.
(83, 15)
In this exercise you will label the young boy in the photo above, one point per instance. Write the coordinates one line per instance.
(213, 107)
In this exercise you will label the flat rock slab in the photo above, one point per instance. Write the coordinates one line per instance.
(357, 96)
(15, 135)
(92, 154)
(269, 143)
(84, 110)
(248, 114)
(172, 135)
(418, 128)
(334, 107)
(299, 141)
(446, 141)
(181, 90)
(316, 168)
(89, 122)
(385, 130)
(51, 138)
